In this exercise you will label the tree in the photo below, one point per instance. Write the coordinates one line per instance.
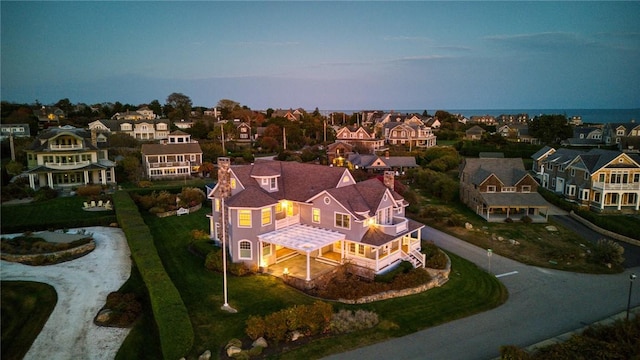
(156, 107)
(132, 168)
(227, 106)
(550, 129)
(207, 169)
(180, 105)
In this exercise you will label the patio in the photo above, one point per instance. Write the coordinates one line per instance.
(297, 267)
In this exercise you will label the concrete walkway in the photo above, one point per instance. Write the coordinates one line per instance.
(82, 286)
(542, 304)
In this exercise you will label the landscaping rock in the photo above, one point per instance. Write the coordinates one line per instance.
(295, 335)
(205, 355)
(551, 228)
(468, 226)
(232, 350)
(260, 342)
(500, 238)
(103, 316)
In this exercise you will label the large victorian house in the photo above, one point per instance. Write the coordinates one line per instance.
(603, 180)
(271, 211)
(145, 129)
(178, 156)
(65, 157)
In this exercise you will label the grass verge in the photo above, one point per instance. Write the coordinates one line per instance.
(26, 307)
(469, 291)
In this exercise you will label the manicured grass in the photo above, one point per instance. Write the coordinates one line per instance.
(469, 291)
(63, 212)
(26, 307)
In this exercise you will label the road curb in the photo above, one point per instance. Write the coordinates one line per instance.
(566, 336)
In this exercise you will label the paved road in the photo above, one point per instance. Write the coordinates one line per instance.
(542, 303)
(631, 252)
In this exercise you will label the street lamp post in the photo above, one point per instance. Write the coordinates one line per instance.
(631, 278)
(489, 254)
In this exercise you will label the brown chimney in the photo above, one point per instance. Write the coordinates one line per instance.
(389, 179)
(386, 154)
(224, 176)
(94, 138)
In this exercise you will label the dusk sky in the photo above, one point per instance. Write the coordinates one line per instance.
(330, 55)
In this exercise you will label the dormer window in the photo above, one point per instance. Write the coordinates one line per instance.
(273, 183)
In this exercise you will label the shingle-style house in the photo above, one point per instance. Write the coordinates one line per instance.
(585, 136)
(291, 115)
(612, 133)
(48, 116)
(276, 210)
(359, 137)
(603, 180)
(65, 157)
(474, 133)
(408, 133)
(178, 156)
(144, 113)
(483, 119)
(244, 133)
(155, 129)
(500, 188)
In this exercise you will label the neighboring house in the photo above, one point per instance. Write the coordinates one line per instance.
(359, 137)
(65, 157)
(375, 163)
(15, 130)
(155, 129)
(612, 133)
(511, 118)
(48, 116)
(474, 133)
(433, 123)
(276, 210)
(575, 120)
(499, 188)
(409, 133)
(244, 133)
(291, 115)
(484, 119)
(183, 125)
(144, 113)
(178, 156)
(338, 152)
(603, 180)
(585, 136)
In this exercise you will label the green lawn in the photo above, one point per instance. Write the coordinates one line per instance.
(63, 212)
(26, 307)
(469, 291)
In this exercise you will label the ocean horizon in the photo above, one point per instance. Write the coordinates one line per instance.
(592, 116)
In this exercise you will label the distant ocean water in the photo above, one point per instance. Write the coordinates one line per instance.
(598, 116)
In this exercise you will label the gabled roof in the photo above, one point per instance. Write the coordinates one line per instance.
(542, 152)
(304, 182)
(508, 171)
(597, 159)
(170, 149)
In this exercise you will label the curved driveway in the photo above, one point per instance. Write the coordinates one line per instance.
(82, 286)
(542, 304)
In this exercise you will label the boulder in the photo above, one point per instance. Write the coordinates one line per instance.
(468, 226)
(232, 350)
(260, 342)
(551, 228)
(295, 335)
(205, 355)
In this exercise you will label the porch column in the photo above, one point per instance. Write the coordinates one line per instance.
(259, 253)
(377, 258)
(637, 202)
(104, 177)
(86, 176)
(32, 184)
(604, 195)
(50, 179)
(620, 201)
(342, 251)
(308, 266)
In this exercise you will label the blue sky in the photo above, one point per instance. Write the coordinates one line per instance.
(330, 55)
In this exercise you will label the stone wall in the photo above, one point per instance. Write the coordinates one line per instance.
(438, 278)
(175, 212)
(51, 258)
(602, 231)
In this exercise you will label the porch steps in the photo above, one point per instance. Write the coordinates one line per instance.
(327, 261)
(287, 257)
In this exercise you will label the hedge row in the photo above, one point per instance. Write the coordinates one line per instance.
(45, 224)
(169, 311)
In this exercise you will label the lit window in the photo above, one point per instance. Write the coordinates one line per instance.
(233, 183)
(315, 215)
(244, 218)
(343, 221)
(245, 249)
(217, 204)
(266, 217)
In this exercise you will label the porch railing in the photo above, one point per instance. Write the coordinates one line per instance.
(616, 186)
(289, 220)
(67, 165)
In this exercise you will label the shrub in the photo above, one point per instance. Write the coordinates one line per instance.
(191, 195)
(255, 327)
(345, 321)
(89, 190)
(527, 220)
(390, 275)
(511, 352)
(276, 328)
(607, 251)
(145, 184)
(45, 193)
(508, 220)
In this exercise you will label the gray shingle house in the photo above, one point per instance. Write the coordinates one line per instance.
(278, 210)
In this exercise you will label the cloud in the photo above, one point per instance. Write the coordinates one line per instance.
(406, 38)
(543, 41)
(265, 43)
